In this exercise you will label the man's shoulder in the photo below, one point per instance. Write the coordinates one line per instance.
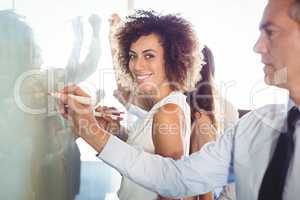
(270, 116)
(271, 111)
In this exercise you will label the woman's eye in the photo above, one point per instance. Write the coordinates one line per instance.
(149, 56)
(131, 57)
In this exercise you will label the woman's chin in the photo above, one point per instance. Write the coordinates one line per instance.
(147, 91)
(147, 88)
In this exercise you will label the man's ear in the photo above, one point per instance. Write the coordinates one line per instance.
(294, 11)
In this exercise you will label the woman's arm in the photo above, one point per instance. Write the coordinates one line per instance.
(123, 79)
(166, 132)
(203, 132)
(113, 126)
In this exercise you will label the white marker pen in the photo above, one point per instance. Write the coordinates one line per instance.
(86, 101)
(80, 99)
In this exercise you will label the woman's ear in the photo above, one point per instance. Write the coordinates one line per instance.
(197, 115)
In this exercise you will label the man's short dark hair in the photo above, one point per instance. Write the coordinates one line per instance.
(294, 11)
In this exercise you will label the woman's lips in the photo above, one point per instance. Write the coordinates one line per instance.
(142, 78)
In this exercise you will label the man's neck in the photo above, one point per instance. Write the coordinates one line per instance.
(295, 95)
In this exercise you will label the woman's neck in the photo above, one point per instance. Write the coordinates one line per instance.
(149, 100)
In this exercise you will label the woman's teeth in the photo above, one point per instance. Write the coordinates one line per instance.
(142, 77)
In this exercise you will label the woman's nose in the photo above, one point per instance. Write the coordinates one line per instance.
(139, 64)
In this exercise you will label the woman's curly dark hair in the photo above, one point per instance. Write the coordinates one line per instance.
(176, 36)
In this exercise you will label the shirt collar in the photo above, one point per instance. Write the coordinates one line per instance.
(291, 104)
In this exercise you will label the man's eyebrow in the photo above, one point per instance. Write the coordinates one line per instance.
(266, 25)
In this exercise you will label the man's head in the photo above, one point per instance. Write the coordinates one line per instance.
(279, 44)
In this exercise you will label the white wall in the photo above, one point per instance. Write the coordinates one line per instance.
(6, 4)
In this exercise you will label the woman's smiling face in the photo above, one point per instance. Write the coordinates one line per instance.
(147, 64)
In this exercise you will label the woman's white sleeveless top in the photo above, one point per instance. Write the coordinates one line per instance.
(141, 137)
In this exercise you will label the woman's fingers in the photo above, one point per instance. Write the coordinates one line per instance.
(110, 118)
(63, 110)
(112, 111)
(71, 103)
(114, 19)
(102, 122)
(75, 90)
(68, 100)
(80, 116)
(107, 111)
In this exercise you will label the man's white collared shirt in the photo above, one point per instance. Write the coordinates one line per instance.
(244, 150)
